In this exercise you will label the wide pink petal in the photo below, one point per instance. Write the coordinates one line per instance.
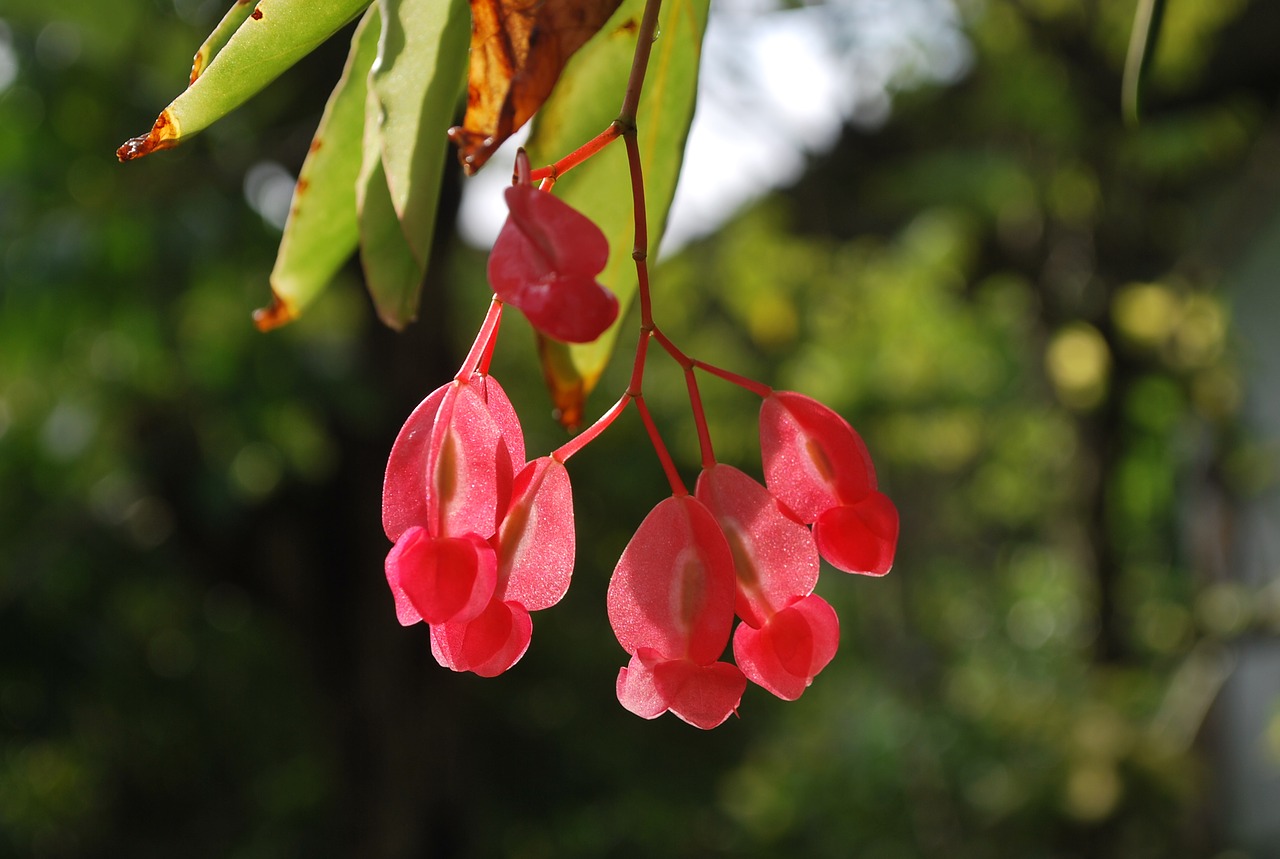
(786, 653)
(859, 538)
(404, 491)
(535, 541)
(444, 578)
(487, 645)
(673, 588)
(462, 466)
(813, 458)
(775, 556)
(702, 695)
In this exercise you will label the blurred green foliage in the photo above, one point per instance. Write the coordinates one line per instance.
(1013, 297)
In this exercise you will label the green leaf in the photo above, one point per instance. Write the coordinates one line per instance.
(236, 15)
(392, 273)
(1142, 47)
(583, 104)
(275, 35)
(322, 230)
(421, 69)
(414, 89)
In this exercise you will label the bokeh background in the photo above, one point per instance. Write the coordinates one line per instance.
(1057, 334)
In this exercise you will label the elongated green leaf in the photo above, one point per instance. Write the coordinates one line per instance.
(1142, 47)
(322, 230)
(584, 103)
(392, 272)
(422, 64)
(275, 35)
(236, 15)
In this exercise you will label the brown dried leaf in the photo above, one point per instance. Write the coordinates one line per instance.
(518, 49)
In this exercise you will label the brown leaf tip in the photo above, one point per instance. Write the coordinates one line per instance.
(197, 66)
(474, 148)
(274, 315)
(163, 135)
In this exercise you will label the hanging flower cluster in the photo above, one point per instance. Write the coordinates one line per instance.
(483, 538)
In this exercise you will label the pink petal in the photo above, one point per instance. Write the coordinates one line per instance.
(462, 466)
(813, 459)
(673, 588)
(859, 538)
(504, 415)
(570, 308)
(444, 578)
(775, 557)
(535, 542)
(786, 653)
(636, 689)
(487, 645)
(404, 491)
(565, 238)
(702, 695)
(405, 612)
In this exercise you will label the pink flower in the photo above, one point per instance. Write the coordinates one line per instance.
(545, 262)
(481, 537)
(534, 549)
(819, 468)
(670, 603)
(788, 633)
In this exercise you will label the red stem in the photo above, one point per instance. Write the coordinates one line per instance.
(700, 420)
(577, 156)
(482, 348)
(758, 388)
(668, 466)
(578, 442)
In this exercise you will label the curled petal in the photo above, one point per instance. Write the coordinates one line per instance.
(813, 459)
(673, 588)
(861, 537)
(443, 578)
(785, 654)
(487, 645)
(702, 695)
(535, 541)
(774, 556)
(404, 491)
